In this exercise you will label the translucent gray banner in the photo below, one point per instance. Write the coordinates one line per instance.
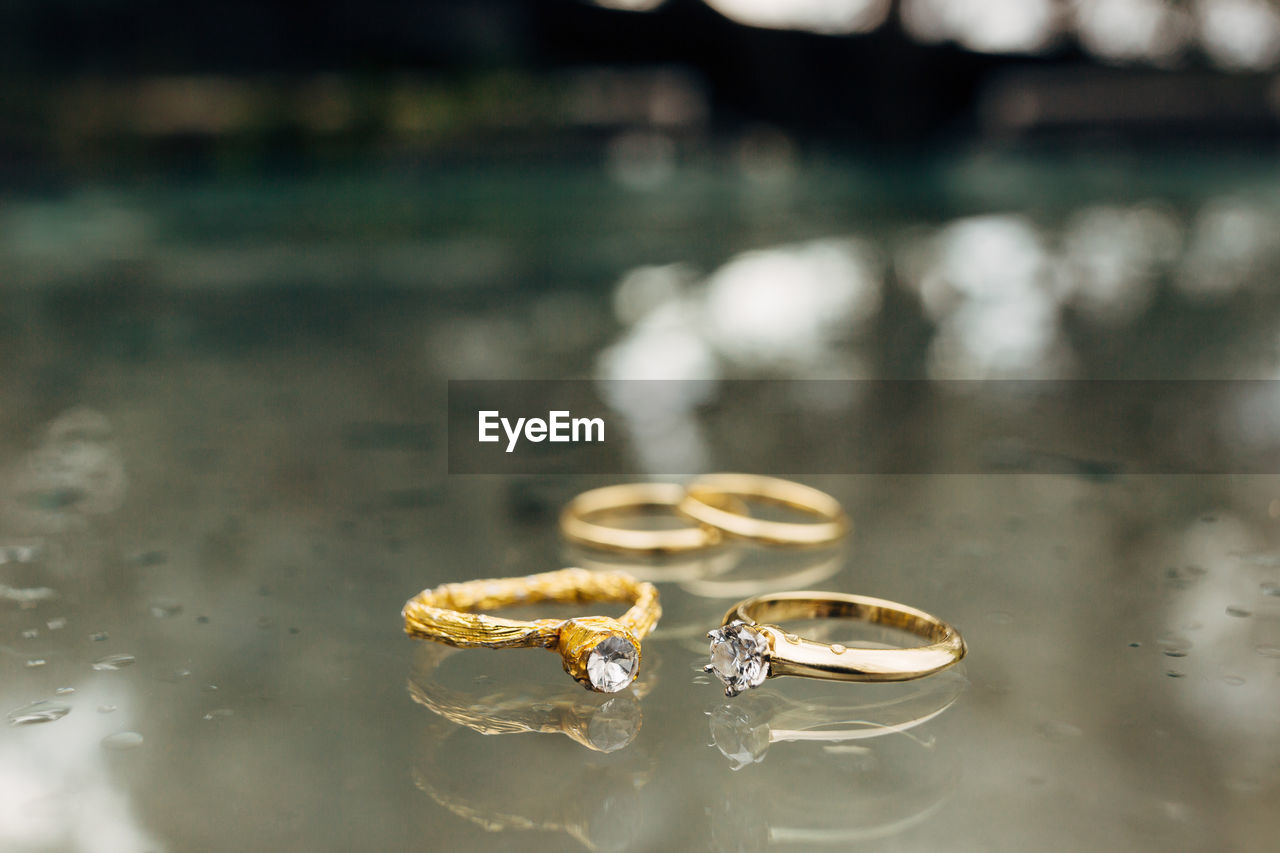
(1090, 429)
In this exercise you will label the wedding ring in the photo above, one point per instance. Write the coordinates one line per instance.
(708, 500)
(599, 652)
(576, 524)
(744, 652)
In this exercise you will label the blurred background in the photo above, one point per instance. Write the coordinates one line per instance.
(242, 249)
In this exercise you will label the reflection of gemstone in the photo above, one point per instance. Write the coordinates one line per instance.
(737, 738)
(614, 724)
(612, 664)
(738, 657)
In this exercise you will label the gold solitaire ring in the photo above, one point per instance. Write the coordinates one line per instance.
(600, 653)
(710, 500)
(744, 652)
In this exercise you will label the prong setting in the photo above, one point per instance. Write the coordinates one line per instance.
(739, 657)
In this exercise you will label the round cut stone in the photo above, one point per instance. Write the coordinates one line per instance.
(739, 657)
(612, 664)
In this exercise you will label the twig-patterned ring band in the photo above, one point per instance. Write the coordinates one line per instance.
(599, 652)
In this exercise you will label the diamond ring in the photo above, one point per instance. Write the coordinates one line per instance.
(744, 652)
(600, 653)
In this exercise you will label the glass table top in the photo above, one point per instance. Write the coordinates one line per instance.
(223, 432)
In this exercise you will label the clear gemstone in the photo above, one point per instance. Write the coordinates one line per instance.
(612, 664)
(739, 657)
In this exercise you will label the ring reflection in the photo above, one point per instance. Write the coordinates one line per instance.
(867, 766)
(530, 783)
(600, 722)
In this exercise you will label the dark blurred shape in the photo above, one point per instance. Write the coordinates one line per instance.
(86, 84)
(1042, 101)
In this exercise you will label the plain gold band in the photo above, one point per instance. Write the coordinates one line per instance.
(707, 500)
(575, 526)
(793, 655)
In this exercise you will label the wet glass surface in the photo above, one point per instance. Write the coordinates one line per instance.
(222, 442)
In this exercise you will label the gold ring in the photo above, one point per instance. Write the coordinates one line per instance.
(576, 526)
(707, 500)
(744, 652)
(600, 653)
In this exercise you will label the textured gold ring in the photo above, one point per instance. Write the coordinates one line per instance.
(599, 652)
(744, 652)
(710, 499)
(576, 522)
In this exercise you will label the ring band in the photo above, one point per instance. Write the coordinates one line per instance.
(600, 653)
(707, 500)
(744, 652)
(575, 527)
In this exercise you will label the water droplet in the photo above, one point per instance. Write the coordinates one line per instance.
(65, 691)
(111, 663)
(122, 741)
(36, 662)
(1174, 645)
(1233, 680)
(1270, 588)
(57, 623)
(30, 634)
(209, 688)
(1056, 730)
(838, 649)
(218, 712)
(1183, 578)
(1135, 645)
(38, 712)
(99, 637)
(106, 709)
(165, 608)
(1173, 673)
(1239, 612)
(148, 558)
(1268, 650)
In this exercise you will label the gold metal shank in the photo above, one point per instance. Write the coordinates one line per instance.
(710, 500)
(445, 614)
(576, 524)
(792, 655)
